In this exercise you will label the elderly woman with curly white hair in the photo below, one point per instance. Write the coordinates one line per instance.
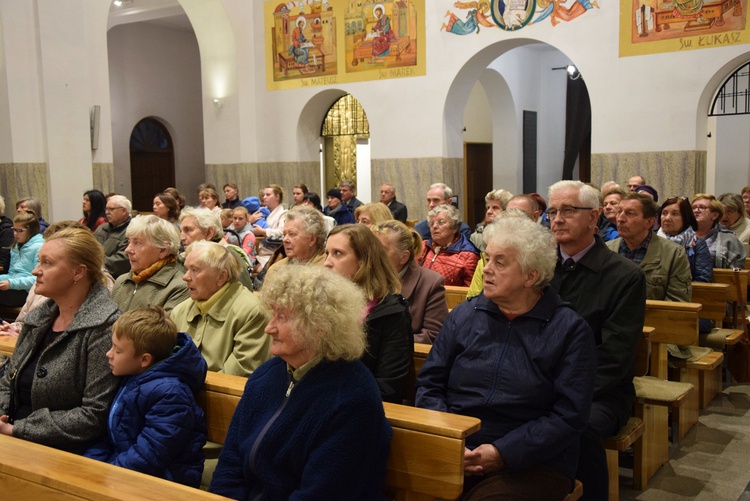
(521, 360)
(331, 440)
(223, 318)
(155, 277)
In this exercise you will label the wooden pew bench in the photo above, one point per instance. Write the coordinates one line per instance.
(425, 459)
(673, 323)
(737, 297)
(33, 471)
(427, 448)
(7, 345)
(455, 295)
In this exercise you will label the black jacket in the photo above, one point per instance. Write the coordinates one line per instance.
(609, 292)
(6, 241)
(390, 348)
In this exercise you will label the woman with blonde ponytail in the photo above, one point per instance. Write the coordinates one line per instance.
(423, 288)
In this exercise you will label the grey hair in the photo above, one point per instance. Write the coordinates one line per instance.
(204, 219)
(588, 195)
(733, 200)
(122, 201)
(452, 213)
(348, 184)
(214, 255)
(501, 195)
(160, 232)
(534, 244)
(312, 223)
(447, 191)
(326, 309)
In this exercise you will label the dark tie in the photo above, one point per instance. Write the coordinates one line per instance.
(569, 265)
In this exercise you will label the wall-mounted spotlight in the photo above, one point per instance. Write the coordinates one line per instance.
(573, 72)
(119, 3)
(217, 103)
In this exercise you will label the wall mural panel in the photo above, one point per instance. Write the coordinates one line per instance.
(463, 18)
(652, 26)
(325, 42)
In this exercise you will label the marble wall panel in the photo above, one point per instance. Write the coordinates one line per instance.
(104, 177)
(20, 180)
(672, 173)
(250, 178)
(413, 176)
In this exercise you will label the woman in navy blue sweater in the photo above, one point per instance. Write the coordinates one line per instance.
(310, 424)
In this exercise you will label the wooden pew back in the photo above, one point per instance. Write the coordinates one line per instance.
(427, 448)
(713, 298)
(732, 278)
(33, 471)
(455, 295)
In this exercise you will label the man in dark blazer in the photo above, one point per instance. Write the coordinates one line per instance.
(609, 292)
(388, 197)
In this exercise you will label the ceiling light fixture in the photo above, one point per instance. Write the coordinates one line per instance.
(573, 72)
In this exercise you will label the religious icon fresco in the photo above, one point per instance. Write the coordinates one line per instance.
(381, 35)
(327, 42)
(465, 18)
(652, 26)
(303, 40)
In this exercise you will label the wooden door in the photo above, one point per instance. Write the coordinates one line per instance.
(478, 180)
(151, 162)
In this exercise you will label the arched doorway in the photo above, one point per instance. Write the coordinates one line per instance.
(151, 162)
(522, 114)
(729, 132)
(345, 131)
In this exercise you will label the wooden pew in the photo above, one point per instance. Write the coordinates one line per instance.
(675, 323)
(427, 448)
(455, 295)
(7, 345)
(734, 279)
(33, 471)
(425, 459)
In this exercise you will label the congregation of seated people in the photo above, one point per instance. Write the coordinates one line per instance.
(120, 315)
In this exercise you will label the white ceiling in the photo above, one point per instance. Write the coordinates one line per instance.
(164, 13)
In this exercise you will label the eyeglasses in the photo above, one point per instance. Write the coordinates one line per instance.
(19, 230)
(112, 209)
(566, 212)
(439, 222)
(700, 208)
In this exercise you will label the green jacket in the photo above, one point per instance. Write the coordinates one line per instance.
(666, 268)
(165, 288)
(231, 335)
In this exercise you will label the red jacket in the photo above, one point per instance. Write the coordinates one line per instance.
(456, 262)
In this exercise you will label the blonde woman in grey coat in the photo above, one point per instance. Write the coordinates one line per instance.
(58, 386)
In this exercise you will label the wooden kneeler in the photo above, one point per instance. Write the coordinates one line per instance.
(625, 438)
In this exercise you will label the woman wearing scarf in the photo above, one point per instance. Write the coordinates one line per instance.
(155, 277)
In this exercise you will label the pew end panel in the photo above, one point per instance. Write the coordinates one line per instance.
(7, 345)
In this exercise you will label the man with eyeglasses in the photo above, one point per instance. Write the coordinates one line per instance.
(609, 292)
(112, 235)
(664, 263)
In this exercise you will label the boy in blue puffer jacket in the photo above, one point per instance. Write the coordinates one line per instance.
(155, 425)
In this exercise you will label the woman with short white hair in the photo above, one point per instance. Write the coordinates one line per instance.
(155, 277)
(223, 318)
(448, 251)
(198, 224)
(521, 360)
